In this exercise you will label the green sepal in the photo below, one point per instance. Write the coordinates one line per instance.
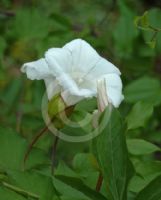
(56, 106)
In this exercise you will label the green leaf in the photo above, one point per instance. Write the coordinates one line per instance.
(20, 191)
(111, 151)
(63, 169)
(152, 43)
(148, 168)
(146, 89)
(141, 147)
(28, 24)
(87, 105)
(85, 163)
(55, 106)
(139, 115)
(11, 93)
(7, 194)
(146, 172)
(13, 149)
(154, 16)
(124, 40)
(142, 21)
(73, 198)
(86, 166)
(80, 186)
(68, 191)
(82, 123)
(33, 183)
(62, 20)
(152, 191)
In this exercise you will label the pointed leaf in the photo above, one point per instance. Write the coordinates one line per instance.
(152, 191)
(141, 147)
(112, 155)
(79, 185)
(139, 115)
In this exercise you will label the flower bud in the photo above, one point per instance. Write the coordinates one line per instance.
(102, 97)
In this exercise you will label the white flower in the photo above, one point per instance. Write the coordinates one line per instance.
(73, 71)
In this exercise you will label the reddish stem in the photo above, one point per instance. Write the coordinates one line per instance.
(99, 182)
(68, 111)
(33, 142)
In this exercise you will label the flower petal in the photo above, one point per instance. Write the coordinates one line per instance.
(56, 64)
(84, 57)
(36, 70)
(71, 98)
(114, 89)
(59, 61)
(102, 67)
(52, 87)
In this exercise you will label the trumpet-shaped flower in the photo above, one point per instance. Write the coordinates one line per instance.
(73, 71)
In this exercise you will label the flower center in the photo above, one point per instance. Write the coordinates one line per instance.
(80, 80)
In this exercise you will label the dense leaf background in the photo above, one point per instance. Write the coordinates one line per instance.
(27, 30)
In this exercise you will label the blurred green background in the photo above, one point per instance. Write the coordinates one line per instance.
(29, 28)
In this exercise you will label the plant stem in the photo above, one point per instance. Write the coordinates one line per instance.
(20, 191)
(155, 29)
(33, 142)
(99, 182)
(68, 111)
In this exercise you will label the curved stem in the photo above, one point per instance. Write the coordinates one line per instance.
(42, 132)
(99, 182)
(68, 111)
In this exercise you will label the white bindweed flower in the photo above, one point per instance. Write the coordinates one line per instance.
(73, 71)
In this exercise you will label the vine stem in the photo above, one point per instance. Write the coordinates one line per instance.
(43, 131)
(99, 182)
(68, 111)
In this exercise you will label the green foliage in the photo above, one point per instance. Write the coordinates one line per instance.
(127, 151)
(146, 171)
(141, 147)
(9, 194)
(139, 115)
(147, 22)
(36, 184)
(123, 38)
(152, 191)
(154, 35)
(78, 184)
(143, 89)
(142, 21)
(111, 152)
(12, 151)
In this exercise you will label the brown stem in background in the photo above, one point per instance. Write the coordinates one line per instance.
(99, 182)
(33, 142)
(68, 111)
(7, 13)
